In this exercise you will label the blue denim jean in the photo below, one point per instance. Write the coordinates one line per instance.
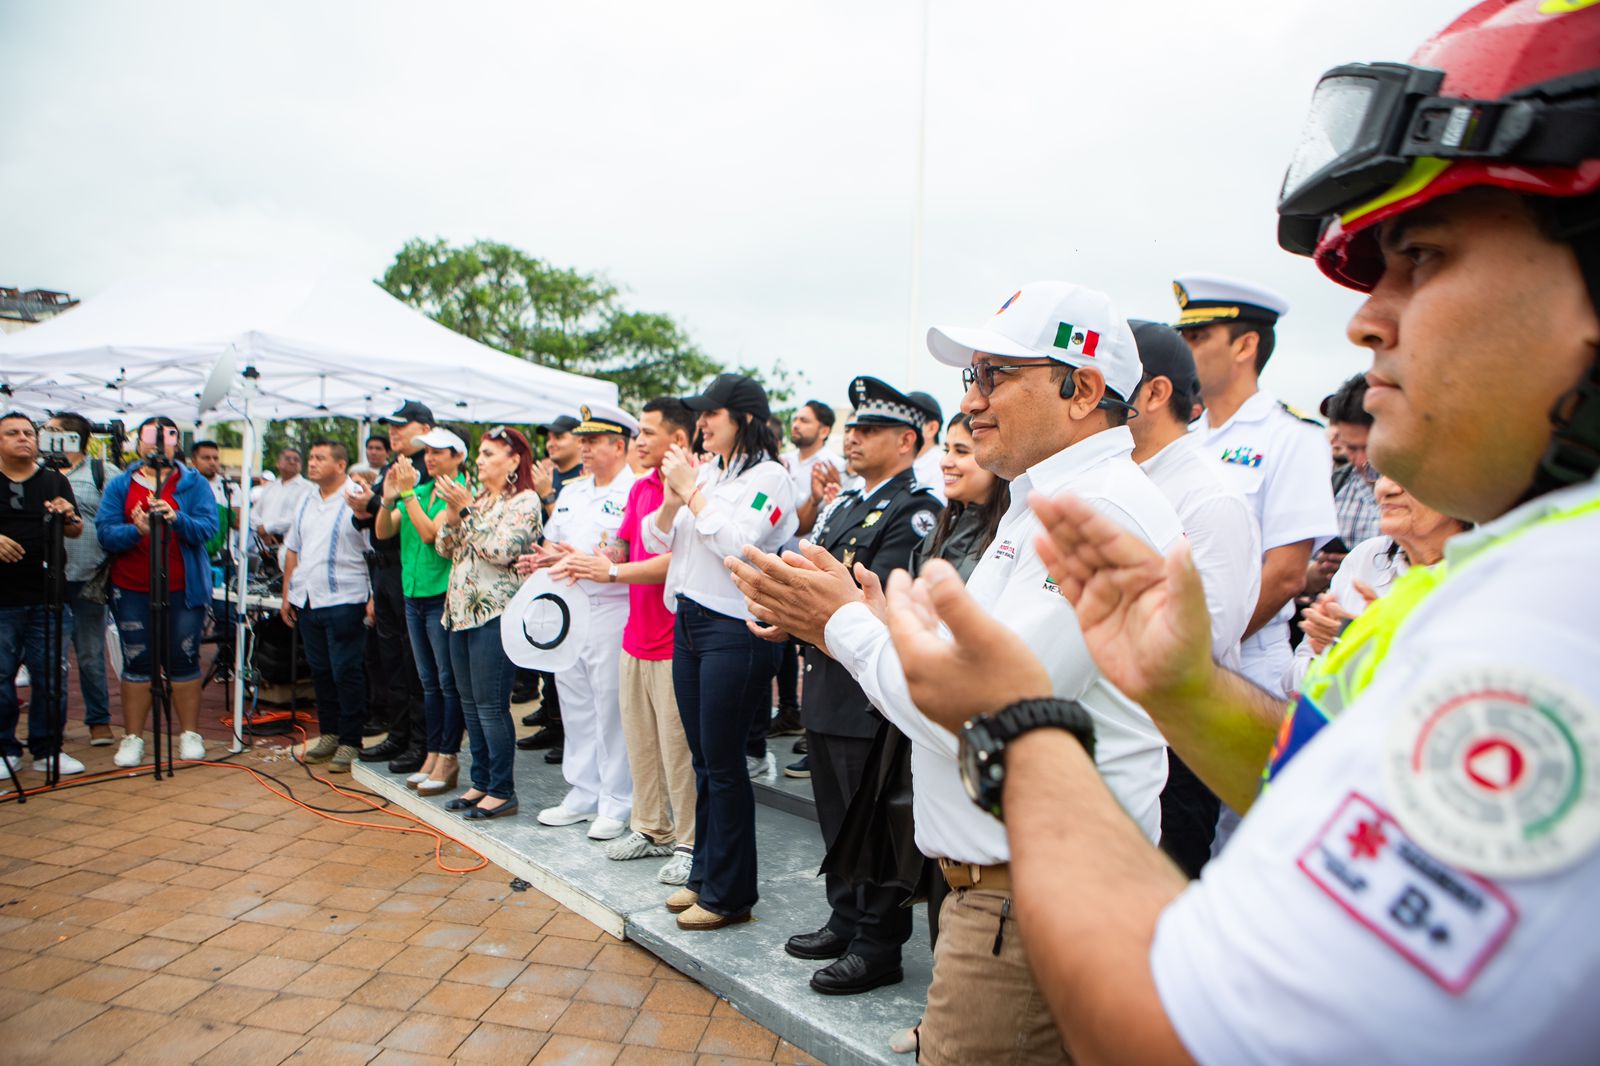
(89, 643)
(430, 646)
(22, 643)
(335, 640)
(483, 678)
(184, 625)
(722, 675)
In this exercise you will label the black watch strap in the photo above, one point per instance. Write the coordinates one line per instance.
(984, 740)
(1009, 723)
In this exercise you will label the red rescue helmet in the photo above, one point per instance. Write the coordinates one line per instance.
(1507, 95)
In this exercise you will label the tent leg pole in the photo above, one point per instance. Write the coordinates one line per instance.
(246, 463)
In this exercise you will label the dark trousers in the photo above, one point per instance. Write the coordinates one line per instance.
(1188, 817)
(483, 677)
(789, 680)
(404, 698)
(22, 643)
(722, 676)
(550, 701)
(874, 919)
(335, 639)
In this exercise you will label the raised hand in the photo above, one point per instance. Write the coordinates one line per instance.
(678, 471)
(358, 494)
(824, 474)
(796, 593)
(405, 477)
(544, 477)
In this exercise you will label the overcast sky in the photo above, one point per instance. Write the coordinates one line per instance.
(749, 168)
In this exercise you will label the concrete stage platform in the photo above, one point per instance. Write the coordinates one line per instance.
(744, 964)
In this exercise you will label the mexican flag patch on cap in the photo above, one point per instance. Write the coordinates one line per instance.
(1075, 340)
(765, 505)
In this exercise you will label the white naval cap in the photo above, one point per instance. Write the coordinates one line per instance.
(601, 418)
(1204, 299)
(1055, 320)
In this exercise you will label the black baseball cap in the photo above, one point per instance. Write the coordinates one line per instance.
(410, 411)
(558, 425)
(926, 402)
(735, 392)
(1165, 354)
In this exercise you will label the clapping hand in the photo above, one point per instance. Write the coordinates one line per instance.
(456, 495)
(824, 482)
(544, 477)
(678, 471)
(575, 567)
(358, 494)
(796, 593)
(405, 477)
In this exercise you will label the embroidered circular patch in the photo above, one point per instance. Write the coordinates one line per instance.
(922, 523)
(1494, 770)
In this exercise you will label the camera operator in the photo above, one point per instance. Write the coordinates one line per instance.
(27, 492)
(85, 561)
(156, 484)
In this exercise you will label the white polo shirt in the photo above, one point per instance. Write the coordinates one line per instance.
(1283, 467)
(1010, 582)
(587, 516)
(1223, 539)
(1407, 890)
(755, 506)
(331, 553)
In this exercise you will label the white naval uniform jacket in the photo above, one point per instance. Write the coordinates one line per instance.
(1011, 583)
(587, 517)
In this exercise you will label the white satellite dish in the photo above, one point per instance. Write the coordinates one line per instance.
(220, 382)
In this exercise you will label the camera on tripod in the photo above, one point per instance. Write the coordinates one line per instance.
(57, 445)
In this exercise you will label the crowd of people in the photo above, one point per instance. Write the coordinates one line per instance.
(1109, 628)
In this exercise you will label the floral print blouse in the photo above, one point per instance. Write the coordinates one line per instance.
(483, 552)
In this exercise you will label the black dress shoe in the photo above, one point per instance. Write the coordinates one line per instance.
(372, 729)
(460, 804)
(544, 738)
(553, 756)
(536, 718)
(823, 944)
(409, 762)
(478, 814)
(800, 747)
(786, 724)
(853, 974)
(383, 751)
(523, 695)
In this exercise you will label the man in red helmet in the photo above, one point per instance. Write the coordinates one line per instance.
(1414, 880)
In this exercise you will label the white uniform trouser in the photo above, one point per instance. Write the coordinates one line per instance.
(595, 756)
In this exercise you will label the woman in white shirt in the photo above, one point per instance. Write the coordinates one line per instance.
(721, 672)
(1410, 535)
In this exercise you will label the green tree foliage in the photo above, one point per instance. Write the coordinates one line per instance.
(554, 316)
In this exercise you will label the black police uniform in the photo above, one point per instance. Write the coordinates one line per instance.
(880, 532)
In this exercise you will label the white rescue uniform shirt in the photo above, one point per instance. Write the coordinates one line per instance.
(1010, 582)
(587, 516)
(1282, 465)
(929, 476)
(330, 552)
(1371, 563)
(755, 506)
(1327, 932)
(1223, 540)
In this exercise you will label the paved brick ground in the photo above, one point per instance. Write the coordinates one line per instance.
(204, 920)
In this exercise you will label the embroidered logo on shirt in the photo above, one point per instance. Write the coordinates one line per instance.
(1445, 922)
(611, 509)
(1005, 550)
(1243, 456)
(1051, 585)
(767, 507)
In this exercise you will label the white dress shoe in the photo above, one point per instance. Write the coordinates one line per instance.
(606, 829)
(561, 816)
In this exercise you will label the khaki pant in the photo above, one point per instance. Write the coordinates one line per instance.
(658, 754)
(984, 1008)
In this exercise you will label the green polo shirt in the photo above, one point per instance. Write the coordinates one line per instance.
(423, 571)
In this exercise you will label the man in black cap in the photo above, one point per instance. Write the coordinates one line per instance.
(930, 456)
(876, 526)
(562, 462)
(405, 746)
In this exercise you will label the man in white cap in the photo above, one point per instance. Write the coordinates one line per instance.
(1060, 430)
(585, 519)
(1277, 458)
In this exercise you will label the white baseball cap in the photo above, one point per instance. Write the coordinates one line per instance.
(1050, 320)
(439, 437)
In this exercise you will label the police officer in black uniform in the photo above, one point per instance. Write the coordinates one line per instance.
(876, 526)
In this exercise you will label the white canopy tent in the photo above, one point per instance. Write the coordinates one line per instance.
(282, 347)
(321, 345)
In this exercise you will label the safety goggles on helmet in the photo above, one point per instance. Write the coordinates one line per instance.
(1374, 125)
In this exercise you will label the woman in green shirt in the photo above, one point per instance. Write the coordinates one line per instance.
(411, 511)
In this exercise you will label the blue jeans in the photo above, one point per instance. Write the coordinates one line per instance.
(335, 639)
(430, 646)
(22, 640)
(184, 624)
(722, 674)
(483, 678)
(89, 642)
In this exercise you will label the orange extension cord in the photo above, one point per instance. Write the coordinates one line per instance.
(419, 827)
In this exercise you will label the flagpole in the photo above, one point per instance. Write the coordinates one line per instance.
(914, 345)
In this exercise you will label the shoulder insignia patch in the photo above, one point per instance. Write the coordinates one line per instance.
(1301, 415)
(1494, 770)
(922, 523)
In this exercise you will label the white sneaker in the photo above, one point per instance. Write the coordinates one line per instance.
(191, 746)
(68, 765)
(635, 846)
(676, 869)
(762, 767)
(607, 829)
(561, 816)
(130, 752)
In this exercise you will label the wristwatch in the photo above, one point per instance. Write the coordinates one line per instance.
(611, 574)
(983, 743)
(548, 499)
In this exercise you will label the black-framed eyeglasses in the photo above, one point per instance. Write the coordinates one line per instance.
(982, 374)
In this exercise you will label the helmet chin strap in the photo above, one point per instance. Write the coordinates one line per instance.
(1573, 456)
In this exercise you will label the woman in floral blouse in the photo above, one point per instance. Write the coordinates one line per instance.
(482, 537)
